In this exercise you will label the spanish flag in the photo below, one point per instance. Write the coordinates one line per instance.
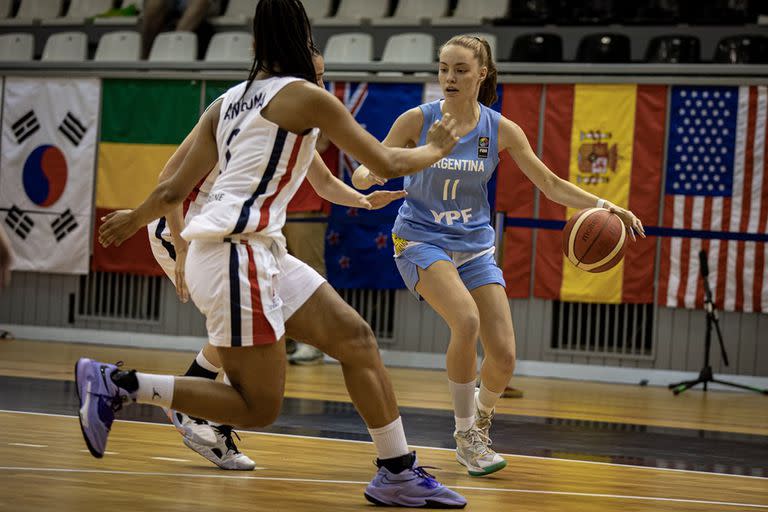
(142, 123)
(609, 140)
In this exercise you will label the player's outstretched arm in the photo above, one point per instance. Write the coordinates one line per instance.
(404, 133)
(332, 189)
(325, 112)
(202, 156)
(513, 139)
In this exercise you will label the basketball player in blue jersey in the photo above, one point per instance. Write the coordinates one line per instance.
(444, 242)
(261, 137)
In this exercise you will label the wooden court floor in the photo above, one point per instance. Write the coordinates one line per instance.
(44, 465)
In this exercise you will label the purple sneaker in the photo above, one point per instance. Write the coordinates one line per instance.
(413, 487)
(99, 399)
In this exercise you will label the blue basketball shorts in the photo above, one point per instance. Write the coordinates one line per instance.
(475, 269)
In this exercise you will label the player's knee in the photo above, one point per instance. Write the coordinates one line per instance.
(359, 342)
(506, 361)
(261, 413)
(465, 325)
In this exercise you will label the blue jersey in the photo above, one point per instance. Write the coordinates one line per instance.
(447, 203)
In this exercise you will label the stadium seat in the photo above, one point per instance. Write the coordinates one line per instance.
(413, 12)
(317, 9)
(717, 12)
(742, 49)
(66, 46)
(124, 21)
(174, 47)
(537, 48)
(673, 49)
(353, 12)
(79, 11)
(594, 12)
(604, 48)
(239, 12)
(120, 46)
(6, 8)
(230, 47)
(352, 47)
(32, 11)
(650, 12)
(17, 47)
(408, 48)
(528, 12)
(473, 12)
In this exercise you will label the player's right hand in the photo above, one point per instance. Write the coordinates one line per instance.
(363, 178)
(442, 134)
(179, 276)
(117, 228)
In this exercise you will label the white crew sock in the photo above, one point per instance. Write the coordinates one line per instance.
(155, 389)
(463, 396)
(390, 440)
(486, 399)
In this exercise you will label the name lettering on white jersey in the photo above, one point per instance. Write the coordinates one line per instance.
(236, 108)
(451, 216)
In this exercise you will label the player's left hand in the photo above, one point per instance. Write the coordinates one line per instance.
(179, 275)
(117, 228)
(382, 198)
(629, 219)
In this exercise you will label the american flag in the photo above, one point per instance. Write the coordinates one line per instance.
(715, 168)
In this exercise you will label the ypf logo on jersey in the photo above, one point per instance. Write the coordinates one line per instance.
(483, 143)
(47, 169)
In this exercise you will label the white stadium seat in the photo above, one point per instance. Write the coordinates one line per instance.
(473, 12)
(66, 46)
(120, 46)
(353, 12)
(79, 10)
(174, 47)
(230, 47)
(413, 12)
(17, 47)
(31, 11)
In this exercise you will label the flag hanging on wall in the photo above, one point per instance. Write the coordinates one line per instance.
(358, 249)
(609, 140)
(521, 104)
(715, 182)
(142, 123)
(47, 169)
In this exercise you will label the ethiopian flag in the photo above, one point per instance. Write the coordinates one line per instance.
(608, 140)
(142, 123)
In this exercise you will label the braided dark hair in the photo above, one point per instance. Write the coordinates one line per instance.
(283, 42)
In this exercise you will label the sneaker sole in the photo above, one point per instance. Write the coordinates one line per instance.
(483, 472)
(80, 419)
(427, 503)
(212, 460)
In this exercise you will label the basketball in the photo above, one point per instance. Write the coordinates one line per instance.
(594, 240)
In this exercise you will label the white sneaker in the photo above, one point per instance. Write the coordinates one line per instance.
(197, 431)
(306, 355)
(224, 453)
(473, 452)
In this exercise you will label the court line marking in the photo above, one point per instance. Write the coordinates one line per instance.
(105, 453)
(354, 482)
(27, 445)
(170, 459)
(420, 447)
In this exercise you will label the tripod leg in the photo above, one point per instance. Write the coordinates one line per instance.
(741, 386)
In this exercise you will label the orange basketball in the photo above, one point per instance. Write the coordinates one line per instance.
(594, 239)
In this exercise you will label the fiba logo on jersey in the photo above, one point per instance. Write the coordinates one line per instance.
(45, 175)
(482, 147)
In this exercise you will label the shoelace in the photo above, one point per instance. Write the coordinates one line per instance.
(115, 401)
(423, 473)
(478, 439)
(226, 431)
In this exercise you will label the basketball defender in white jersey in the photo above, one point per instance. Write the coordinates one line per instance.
(215, 442)
(262, 136)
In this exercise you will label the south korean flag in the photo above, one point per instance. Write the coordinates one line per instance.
(47, 171)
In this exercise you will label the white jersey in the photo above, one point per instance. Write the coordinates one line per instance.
(260, 168)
